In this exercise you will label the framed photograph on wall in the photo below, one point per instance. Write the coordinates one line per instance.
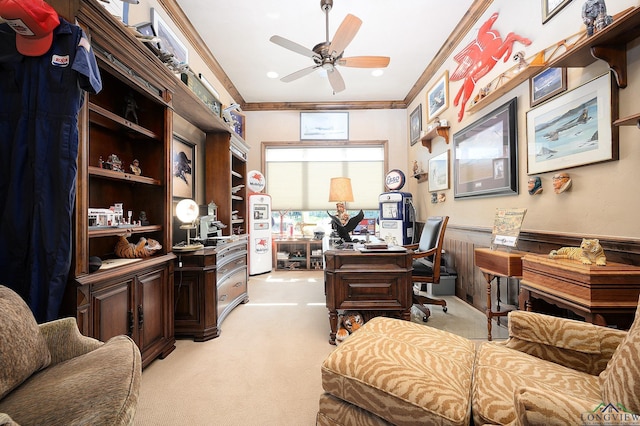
(415, 124)
(438, 97)
(169, 41)
(551, 7)
(324, 126)
(574, 129)
(439, 172)
(485, 155)
(183, 155)
(546, 85)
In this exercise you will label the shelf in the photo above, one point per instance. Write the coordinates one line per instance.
(632, 120)
(111, 121)
(608, 44)
(442, 131)
(115, 231)
(422, 177)
(128, 177)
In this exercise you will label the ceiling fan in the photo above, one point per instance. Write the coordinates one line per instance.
(328, 54)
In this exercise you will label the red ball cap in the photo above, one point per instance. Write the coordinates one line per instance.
(33, 21)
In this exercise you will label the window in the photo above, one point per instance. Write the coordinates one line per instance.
(298, 177)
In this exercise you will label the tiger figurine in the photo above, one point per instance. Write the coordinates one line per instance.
(348, 322)
(590, 251)
(144, 248)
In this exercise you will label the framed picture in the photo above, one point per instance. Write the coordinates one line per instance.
(184, 162)
(439, 172)
(324, 126)
(551, 7)
(546, 85)
(438, 97)
(238, 122)
(485, 155)
(574, 129)
(415, 123)
(169, 41)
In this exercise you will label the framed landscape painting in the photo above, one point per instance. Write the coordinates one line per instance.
(415, 122)
(438, 97)
(574, 129)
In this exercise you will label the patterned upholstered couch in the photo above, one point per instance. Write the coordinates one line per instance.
(551, 371)
(52, 375)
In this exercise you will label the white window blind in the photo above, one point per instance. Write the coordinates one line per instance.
(299, 178)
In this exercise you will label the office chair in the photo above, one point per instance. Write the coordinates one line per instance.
(427, 256)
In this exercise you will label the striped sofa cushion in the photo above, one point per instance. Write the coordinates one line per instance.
(403, 372)
(500, 371)
(621, 379)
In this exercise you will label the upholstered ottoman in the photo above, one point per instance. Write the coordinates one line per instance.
(398, 372)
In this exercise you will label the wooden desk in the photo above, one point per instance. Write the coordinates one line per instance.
(602, 295)
(371, 283)
(495, 264)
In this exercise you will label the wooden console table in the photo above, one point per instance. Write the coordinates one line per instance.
(495, 264)
(371, 283)
(603, 295)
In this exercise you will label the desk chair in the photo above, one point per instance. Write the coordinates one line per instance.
(427, 257)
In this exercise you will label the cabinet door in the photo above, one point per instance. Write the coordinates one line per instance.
(153, 315)
(113, 312)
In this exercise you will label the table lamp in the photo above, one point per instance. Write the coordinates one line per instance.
(187, 212)
(340, 190)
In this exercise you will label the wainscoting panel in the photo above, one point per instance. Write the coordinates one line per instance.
(471, 286)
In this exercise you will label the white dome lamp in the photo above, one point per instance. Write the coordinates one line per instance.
(187, 212)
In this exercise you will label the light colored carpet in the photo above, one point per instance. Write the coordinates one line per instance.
(264, 369)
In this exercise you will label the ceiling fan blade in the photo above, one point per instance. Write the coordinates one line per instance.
(295, 47)
(345, 33)
(336, 80)
(365, 61)
(300, 73)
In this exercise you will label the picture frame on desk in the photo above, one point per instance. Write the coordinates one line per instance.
(485, 155)
(574, 129)
(169, 41)
(183, 155)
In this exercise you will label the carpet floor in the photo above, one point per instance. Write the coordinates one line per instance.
(264, 368)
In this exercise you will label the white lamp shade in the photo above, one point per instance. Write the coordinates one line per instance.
(187, 210)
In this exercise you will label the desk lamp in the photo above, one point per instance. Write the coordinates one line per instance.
(187, 212)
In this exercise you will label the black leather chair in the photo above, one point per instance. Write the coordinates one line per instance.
(427, 258)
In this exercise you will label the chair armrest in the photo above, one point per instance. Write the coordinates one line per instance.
(578, 345)
(534, 406)
(65, 341)
(6, 420)
(421, 254)
(413, 247)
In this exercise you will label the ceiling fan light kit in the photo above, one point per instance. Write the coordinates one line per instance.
(329, 54)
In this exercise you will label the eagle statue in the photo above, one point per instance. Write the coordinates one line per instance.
(344, 230)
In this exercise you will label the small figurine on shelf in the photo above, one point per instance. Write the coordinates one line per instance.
(135, 167)
(130, 107)
(594, 16)
(101, 162)
(142, 218)
(114, 163)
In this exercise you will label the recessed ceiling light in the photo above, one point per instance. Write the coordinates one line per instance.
(272, 74)
(377, 73)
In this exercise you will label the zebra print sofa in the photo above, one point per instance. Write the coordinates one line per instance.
(551, 371)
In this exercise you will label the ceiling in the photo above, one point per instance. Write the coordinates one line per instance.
(410, 32)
